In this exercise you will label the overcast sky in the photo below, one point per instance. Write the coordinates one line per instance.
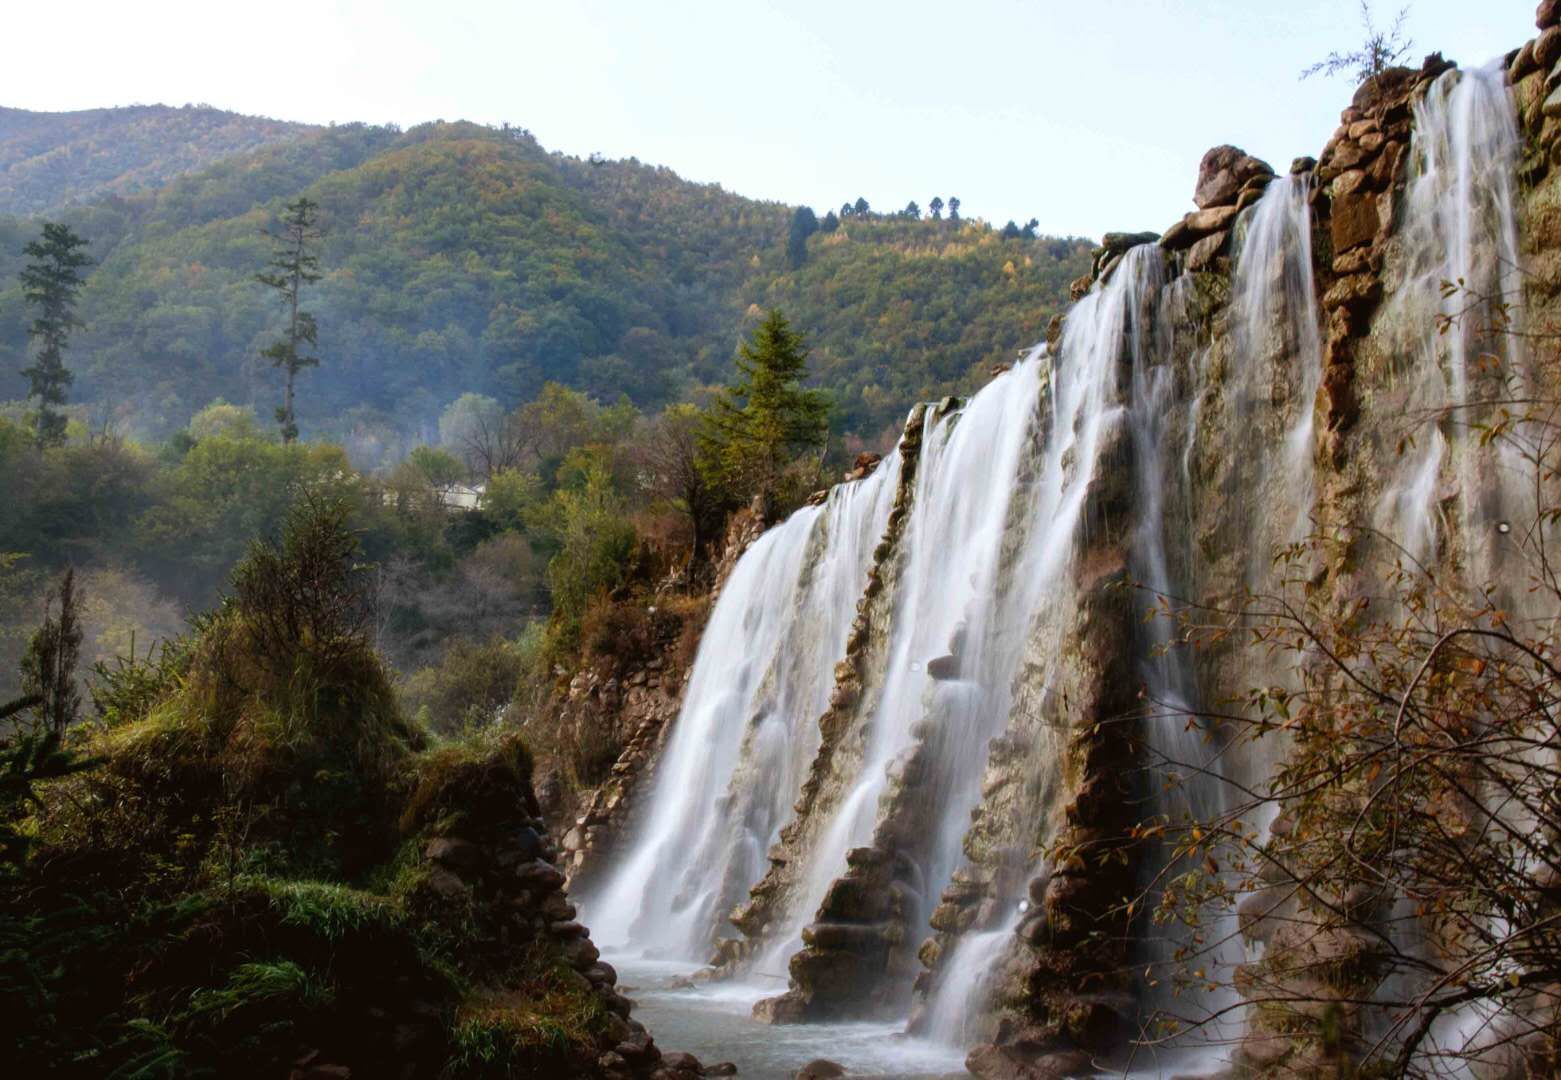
(1089, 115)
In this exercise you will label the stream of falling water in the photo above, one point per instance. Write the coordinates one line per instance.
(1461, 228)
(746, 730)
(949, 600)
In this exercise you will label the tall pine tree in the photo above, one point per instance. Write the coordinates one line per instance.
(50, 284)
(765, 420)
(293, 265)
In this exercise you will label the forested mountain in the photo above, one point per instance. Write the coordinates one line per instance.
(464, 258)
(50, 160)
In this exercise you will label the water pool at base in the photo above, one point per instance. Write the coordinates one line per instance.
(714, 1022)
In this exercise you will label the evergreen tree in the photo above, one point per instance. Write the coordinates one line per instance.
(766, 420)
(953, 208)
(846, 210)
(804, 223)
(49, 665)
(912, 211)
(1030, 228)
(936, 206)
(861, 208)
(293, 265)
(830, 223)
(1011, 231)
(50, 284)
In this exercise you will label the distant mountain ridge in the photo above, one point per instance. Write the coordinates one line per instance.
(49, 160)
(460, 257)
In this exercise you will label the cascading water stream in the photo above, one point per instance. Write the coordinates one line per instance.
(746, 729)
(1084, 410)
(1460, 228)
(948, 600)
(1277, 339)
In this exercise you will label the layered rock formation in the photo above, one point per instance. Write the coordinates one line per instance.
(1220, 391)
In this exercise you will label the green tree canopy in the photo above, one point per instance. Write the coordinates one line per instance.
(766, 419)
(50, 284)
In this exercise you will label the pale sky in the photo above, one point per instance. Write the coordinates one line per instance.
(1089, 116)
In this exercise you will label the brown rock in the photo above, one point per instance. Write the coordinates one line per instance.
(1202, 254)
(1302, 165)
(1348, 182)
(1357, 294)
(539, 875)
(721, 1068)
(638, 1048)
(1384, 170)
(458, 854)
(783, 1009)
(1547, 48)
(943, 668)
(1354, 221)
(1221, 174)
(444, 883)
(1548, 14)
(991, 1062)
(1347, 155)
(1352, 262)
(1376, 93)
(1214, 219)
(1178, 236)
(1339, 392)
(820, 1069)
(678, 1061)
(579, 953)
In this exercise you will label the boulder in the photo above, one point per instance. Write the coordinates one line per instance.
(539, 875)
(1354, 221)
(454, 853)
(943, 667)
(1211, 220)
(1202, 254)
(638, 1049)
(820, 1069)
(1547, 47)
(1302, 165)
(1117, 242)
(785, 1008)
(721, 1068)
(1548, 14)
(579, 953)
(1221, 174)
(678, 1061)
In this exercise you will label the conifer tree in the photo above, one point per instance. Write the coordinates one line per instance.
(50, 284)
(293, 265)
(760, 424)
(804, 223)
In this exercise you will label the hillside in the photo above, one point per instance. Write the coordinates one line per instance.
(52, 160)
(464, 258)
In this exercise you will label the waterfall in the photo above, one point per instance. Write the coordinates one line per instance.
(746, 729)
(1460, 228)
(1277, 338)
(950, 602)
(1084, 412)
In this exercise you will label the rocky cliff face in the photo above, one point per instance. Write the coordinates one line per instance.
(1275, 363)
